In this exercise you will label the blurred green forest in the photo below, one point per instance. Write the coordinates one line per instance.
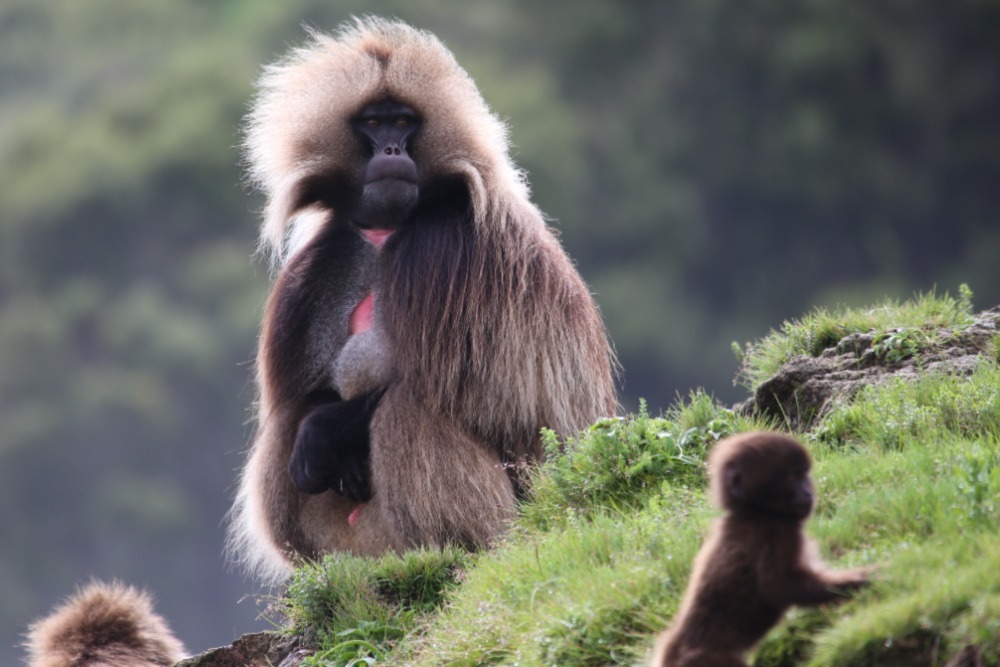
(714, 166)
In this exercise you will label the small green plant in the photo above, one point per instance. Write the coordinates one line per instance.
(896, 345)
(739, 351)
(977, 476)
(965, 297)
(619, 462)
(363, 645)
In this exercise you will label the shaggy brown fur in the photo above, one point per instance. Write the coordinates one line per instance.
(756, 562)
(103, 625)
(486, 333)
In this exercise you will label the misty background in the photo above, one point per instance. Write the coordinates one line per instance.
(713, 166)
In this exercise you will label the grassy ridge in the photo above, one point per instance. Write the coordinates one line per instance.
(908, 476)
(903, 329)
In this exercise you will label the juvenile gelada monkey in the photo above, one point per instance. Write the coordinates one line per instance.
(756, 562)
(424, 324)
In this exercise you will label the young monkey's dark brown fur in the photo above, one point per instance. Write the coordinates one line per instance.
(757, 561)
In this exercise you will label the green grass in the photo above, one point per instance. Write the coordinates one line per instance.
(619, 463)
(891, 415)
(908, 476)
(359, 609)
(901, 330)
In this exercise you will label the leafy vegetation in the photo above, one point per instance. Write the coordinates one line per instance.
(620, 462)
(889, 416)
(908, 476)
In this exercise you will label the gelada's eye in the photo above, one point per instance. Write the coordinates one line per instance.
(403, 121)
(372, 122)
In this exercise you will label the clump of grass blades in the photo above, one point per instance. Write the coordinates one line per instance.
(995, 349)
(619, 462)
(916, 323)
(359, 608)
(892, 414)
(419, 580)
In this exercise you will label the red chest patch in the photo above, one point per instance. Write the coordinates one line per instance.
(361, 318)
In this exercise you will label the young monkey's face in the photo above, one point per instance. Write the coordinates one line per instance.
(772, 480)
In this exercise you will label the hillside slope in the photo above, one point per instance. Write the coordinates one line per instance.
(907, 468)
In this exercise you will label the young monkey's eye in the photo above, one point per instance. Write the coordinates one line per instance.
(372, 122)
(402, 121)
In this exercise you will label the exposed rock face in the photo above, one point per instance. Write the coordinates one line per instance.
(805, 388)
(262, 649)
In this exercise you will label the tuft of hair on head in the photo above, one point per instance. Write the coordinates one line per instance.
(103, 625)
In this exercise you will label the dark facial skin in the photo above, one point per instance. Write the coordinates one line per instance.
(785, 492)
(390, 192)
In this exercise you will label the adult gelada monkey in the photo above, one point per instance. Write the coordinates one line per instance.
(424, 324)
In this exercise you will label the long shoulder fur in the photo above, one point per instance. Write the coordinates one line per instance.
(460, 293)
(103, 625)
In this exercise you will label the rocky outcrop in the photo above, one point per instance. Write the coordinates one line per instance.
(262, 649)
(805, 388)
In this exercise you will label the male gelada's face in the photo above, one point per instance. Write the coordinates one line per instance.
(390, 191)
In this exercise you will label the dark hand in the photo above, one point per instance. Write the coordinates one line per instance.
(332, 449)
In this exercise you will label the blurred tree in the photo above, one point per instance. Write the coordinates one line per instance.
(128, 305)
